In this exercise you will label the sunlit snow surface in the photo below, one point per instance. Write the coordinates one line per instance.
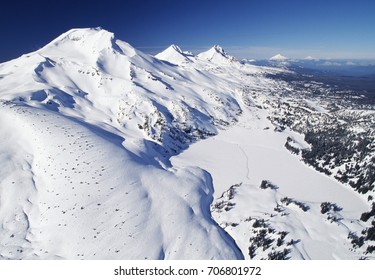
(109, 153)
(245, 155)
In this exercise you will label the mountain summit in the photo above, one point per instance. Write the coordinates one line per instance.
(278, 57)
(216, 55)
(309, 57)
(175, 55)
(85, 43)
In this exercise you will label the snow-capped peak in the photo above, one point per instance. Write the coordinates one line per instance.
(217, 55)
(88, 38)
(219, 49)
(310, 58)
(216, 49)
(175, 55)
(88, 45)
(96, 47)
(278, 57)
(176, 48)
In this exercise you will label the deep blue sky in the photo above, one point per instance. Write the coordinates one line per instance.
(245, 28)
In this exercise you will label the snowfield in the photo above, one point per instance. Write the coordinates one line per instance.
(249, 155)
(110, 153)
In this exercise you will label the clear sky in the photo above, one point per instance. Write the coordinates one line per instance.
(245, 28)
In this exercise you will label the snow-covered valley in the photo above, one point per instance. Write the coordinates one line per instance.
(263, 194)
(110, 153)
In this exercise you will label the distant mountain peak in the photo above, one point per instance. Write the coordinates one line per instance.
(175, 55)
(278, 57)
(309, 57)
(216, 54)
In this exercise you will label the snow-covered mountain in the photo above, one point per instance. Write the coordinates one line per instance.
(278, 57)
(110, 153)
(309, 57)
(217, 55)
(175, 55)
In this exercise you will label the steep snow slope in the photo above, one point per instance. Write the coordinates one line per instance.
(71, 190)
